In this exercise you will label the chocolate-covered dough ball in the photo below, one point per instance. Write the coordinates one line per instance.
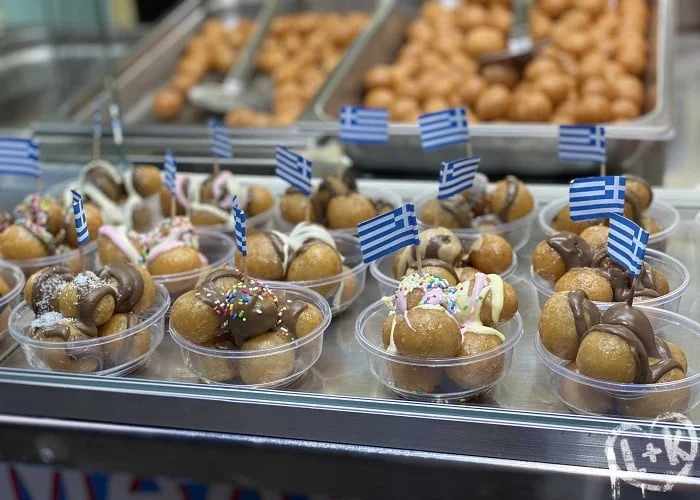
(194, 320)
(597, 288)
(605, 356)
(562, 222)
(595, 236)
(68, 304)
(126, 349)
(72, 359)
(17, 243)
(147, 180)
(656, 403)
(511, 200)
(547, 263)
(427, 333)
(416, 379)
(315, 261)
(260, 199)
(270, 368)
(294, 206)
(451, 213)
(178, 260)
(491, 254)
(263, 260)
(345, 212)
(478, 374)
(302, 323)
(559, 329)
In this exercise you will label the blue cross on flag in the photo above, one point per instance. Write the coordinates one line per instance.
(240, 230)
(364, 125)
(457, 176)
(293, 168)
(386, 233)
(581, 143)
(627, 244)
(443, 128)
(81, 227)
(19, 157)
(596, 197)
(221, 146)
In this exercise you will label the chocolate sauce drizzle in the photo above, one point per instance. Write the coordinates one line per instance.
(459, 208)
(585, 312)
(512, 188)
(289, 315)
(129, 285)
(48, 283)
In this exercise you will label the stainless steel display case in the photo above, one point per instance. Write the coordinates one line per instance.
(526, 149)
(332, 428)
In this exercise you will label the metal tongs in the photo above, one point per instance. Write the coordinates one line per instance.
(234, 91)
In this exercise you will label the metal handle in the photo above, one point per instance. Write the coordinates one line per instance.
(242, 71)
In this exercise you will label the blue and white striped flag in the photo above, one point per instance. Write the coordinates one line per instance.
(582, 143)
(170, 167)
(293, 168)
(19, 157)
(364, 125)
(443, 128)
(240, 230)
(97, 120)
(596, 197)
(627, 244)
(117, 132)
(457, 176)
(221, 146)
(81, 227)
(386, 233)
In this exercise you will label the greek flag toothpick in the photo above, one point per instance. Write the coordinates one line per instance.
(19, 157)
(596, 197)
(627, 244)
(386, 233)
(294, 169)
(580, 143)
(221, 146)
(364, 125)
(240, 230)
(443, 128)
(81, 227)
(457, 176)
(170, 167)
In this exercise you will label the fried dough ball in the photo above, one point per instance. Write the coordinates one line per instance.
(478, 374)
(168, 104)
(472, 87)
(427, 333)
(504, 73)
(547, 263)
(594, 108)
(595, 235)
(491, 254)
(379, 98)
(484, 40)
(531, 106)
(493, 103)
(597, 288)
(266, 368)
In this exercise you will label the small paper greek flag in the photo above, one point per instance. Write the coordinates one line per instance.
(97, 120)
(457, 176)
(364, 125)
(293, 168)
(170, 166)
(117, 133)
(443, 128)
(596, 197)
(81, 227)
(582, 143)
(627, 244)
(220, 140)
(386, 233)
(19, 157)
(240, 229)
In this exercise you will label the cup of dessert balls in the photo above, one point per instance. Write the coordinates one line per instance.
(216, 248)
(124, 335)
(342, 213)
(660, 219)
(71, 258)
(280, 340)
(421, 351)
(662, 283)
(597, 376)
(445, 255)
(507, 210)
(11, 286)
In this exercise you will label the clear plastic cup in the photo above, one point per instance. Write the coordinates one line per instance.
(434, 379)
(517, 232)
(247, 368)
(382, 272)
(676, 273)
(14, 277)
(372, 192)
(587, 395)
(664, 213)
(216, 247)
(260, 222)
(70, 259)
(342, 289)
(117, 354)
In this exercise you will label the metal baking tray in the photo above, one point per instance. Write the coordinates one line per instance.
(526, 149)
(338, 400)
(152, 63)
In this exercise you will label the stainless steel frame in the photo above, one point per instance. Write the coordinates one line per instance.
(336, 410)
(526, 149)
